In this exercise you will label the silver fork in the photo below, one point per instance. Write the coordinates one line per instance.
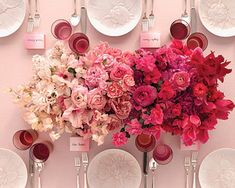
(30, 19)
(194, 165)
(39, 167)
(185, 15)
(85, 164)
(145, 21)
(151, 16)
(37, 17)
(77, 164)
(187, 168)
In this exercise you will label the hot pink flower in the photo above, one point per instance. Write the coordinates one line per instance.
(146, 63)
(152, 77)
(119, 139)
(200, 90)
(119, 71)
(114, 90)
(180, 80)
(145, 95)
(134, 127)
(96, 99)
(79, 97)
(223, 107)
(155, 117)
(154, 130)
(128, 58)
(166, 91)
(115, 122)
(121, 108)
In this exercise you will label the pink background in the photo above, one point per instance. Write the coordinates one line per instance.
(15, 69)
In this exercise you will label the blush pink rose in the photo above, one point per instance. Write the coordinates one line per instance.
(116, 53)
(107, 61)
(180, 80)
(119, 71)
(129, 80)
(114, 90)
(79, 97)
(96, 100)
(119, 139)
(122, 109)
(115, 122)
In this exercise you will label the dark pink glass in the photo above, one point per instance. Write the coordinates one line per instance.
(145, 143)
(79, 43)
(61, 29)
(162, 154)
(40, 152)
(180, 29)
(23, 139)
(197, 40)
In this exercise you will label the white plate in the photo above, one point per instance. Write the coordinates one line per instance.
(13, 172)
(218, 16)
(218, 169)
(12, 14)
(114, 17)
(114, 168)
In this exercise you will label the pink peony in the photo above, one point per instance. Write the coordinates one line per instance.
(180, 80)
(119, 139)
(79, 97)
(114, 90)
(115, 122)
(96, 100)
(134, 127)
(122, 109)
(145, 95)
(200, 90)
(119, 71)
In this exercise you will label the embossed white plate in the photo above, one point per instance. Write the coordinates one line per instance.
(13, 172)
(218, 16)
(114, 17)
(114, 168)
(218, 169)
(12, 14)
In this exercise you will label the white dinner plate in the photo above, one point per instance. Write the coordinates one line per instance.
(114, 168)
(218, 16)
(114, 17)
(13, 172)
(12, 14)
(218, 169)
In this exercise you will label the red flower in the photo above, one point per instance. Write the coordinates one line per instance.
(200, 90)
(166, 91)
(119, 139)
(155, 117)
(152, 77)
(180, 80)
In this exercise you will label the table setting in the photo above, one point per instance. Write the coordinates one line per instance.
(116, 93)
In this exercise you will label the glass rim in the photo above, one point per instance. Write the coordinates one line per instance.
(61, 20)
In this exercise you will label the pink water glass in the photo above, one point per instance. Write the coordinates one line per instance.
(61, 29)
(79, 43)
(197, 40)
(180, 29)
(40, 152)
(145, 143)
(162, 154)
(23, 139)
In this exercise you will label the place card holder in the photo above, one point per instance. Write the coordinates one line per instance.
(150, 40)
(79, 144)
(35, 41)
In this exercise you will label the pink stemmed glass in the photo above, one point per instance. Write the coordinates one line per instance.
(145, 143)
(61, 29)
(162, 154)
(180, 29)
(197, 40)
(23, 139)
(40, 152)
(79, 43)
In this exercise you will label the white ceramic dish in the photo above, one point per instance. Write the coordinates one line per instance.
(218, 169)
(13, 172)
(218, 16)
(12, 14)
(114, 17)
(114, 168)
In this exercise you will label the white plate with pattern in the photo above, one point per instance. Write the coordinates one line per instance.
(12, 14)
(114, 17)
(218, 16)
(217, 170)
(114, 168)
(13, 172)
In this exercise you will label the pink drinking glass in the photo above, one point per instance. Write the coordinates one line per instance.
(23, 139)
(162, 154)
(79, 43)
(40, 152)
(145, 143)
(180, 29)
(61, 29)
(197, 40)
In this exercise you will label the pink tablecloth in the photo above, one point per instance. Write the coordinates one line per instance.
(15, 69)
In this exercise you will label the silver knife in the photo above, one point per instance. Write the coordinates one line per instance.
(145, 169)
(193, 15)
(83, 17)
(31, 172)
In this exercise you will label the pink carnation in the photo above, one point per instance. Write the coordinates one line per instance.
(146, 63)
(134, 127)
(114, 90)
(155, 117)
(119, 139)
(166, 91)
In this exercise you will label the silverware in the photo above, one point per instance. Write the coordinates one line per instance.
(37, 17)
(85, 164)
(153, 166)
(145, 169)
(30, 19)
(187, 168)
(31, 172)
(75, 18)
(151, 16)
(194, 165)
(39, 167)
(193, 15)
(83, 17)
(185, 15)
(145, 21)
(77, 164)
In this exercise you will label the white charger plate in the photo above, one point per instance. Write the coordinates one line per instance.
(12, 14)
(13, 172)
(218, 16)
(114, 168)
(114, 17)
(217, 170)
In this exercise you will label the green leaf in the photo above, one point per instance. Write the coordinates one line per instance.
(128, 135)
(122, 129)
(72, 71)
